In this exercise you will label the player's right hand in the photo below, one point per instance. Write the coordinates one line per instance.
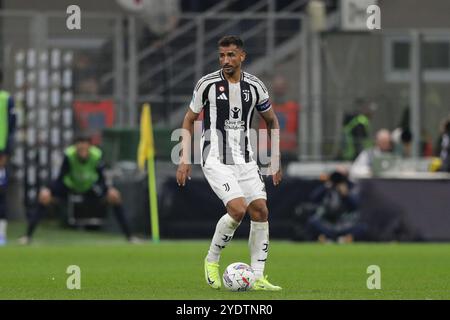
(183, 172)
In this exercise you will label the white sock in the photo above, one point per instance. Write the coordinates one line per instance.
(3, 224)
(259, 246)
(222, 236)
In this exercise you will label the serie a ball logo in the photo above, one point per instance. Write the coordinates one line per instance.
(238, 276)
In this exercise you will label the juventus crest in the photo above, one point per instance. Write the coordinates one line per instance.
(246, 95)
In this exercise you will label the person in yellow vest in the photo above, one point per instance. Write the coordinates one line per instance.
(81, 173)
(7, 126)
(356, 131)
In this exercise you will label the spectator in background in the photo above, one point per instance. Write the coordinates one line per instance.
(336, 217)
(363, 165)
(356, 135)
(287, 112)
(89, 86)
(402, 136)
(85, 74)
(404, 147)
(7, 127)
(426, 144)
(443, 147)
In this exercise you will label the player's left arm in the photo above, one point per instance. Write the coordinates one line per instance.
(273, 128)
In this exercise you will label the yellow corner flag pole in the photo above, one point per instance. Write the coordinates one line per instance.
(147, 152)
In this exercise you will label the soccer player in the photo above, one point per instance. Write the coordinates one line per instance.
(229, 98)
(81, 173)
(7, 126)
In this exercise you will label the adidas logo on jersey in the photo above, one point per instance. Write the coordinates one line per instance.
(223, 96)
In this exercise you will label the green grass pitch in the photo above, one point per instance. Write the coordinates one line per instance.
(173, 270)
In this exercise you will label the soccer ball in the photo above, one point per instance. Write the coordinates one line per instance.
(238, 276)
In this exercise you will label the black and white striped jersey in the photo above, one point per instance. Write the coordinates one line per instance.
(228, 112)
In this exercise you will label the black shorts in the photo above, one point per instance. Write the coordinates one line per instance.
(61, 191)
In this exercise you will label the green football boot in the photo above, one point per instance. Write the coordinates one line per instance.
(264, 284)
(212, 274)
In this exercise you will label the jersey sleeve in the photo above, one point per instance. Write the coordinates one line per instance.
(263, 104)
(196, 104)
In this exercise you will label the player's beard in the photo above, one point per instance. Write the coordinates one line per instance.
(231, 72)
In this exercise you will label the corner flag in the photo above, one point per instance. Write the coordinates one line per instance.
(146, 151)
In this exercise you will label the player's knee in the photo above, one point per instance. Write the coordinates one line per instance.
(237, 214)
(259, 212)
(45, 197)
(114, 196)
(237, 210)
(262, 215)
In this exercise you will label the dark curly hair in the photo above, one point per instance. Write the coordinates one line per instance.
(229, 40)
